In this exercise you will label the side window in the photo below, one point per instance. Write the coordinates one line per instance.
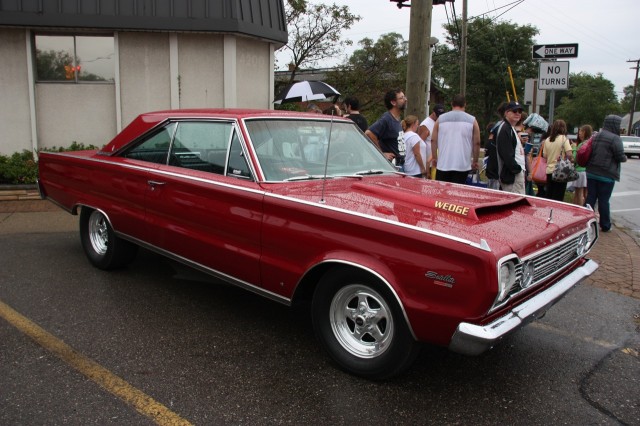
(237, 162)
(201, 146)
(155, 149)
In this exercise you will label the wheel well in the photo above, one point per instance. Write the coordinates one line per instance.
(306, 287)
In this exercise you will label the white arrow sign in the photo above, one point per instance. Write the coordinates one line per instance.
(552, 51)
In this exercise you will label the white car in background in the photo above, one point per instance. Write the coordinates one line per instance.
(631, 145)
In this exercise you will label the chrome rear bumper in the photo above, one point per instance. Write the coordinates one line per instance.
(471, 339)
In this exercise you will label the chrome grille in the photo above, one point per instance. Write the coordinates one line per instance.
(548, 263)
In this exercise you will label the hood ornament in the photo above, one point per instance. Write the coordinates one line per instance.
(550, 220)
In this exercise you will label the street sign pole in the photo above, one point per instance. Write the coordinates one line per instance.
(552, 103)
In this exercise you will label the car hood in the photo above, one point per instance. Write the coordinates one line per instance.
(478, 215)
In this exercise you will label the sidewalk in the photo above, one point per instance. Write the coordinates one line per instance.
(617, 253)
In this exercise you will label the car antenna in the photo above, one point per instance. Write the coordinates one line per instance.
(326, 159)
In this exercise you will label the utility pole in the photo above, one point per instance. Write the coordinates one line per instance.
(419, 61)
(463, 50)
(633, 100)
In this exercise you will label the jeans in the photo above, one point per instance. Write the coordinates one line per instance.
(600, 191)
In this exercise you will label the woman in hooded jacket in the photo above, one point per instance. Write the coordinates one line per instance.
(603, 168)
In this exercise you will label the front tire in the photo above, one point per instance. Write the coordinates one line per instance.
(361, 326)
(101, 245)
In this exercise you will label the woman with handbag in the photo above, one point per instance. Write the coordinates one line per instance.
(555, 147)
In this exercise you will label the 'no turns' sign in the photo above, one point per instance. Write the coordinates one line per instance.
(553, 75)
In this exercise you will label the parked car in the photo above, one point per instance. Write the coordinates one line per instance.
(631, 145)
(304, 208)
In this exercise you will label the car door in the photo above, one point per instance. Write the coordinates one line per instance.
(204, 205)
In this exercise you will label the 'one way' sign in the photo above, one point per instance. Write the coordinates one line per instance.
(551, 51)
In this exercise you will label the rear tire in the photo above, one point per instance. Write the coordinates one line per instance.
(361, 326)
(101, 245)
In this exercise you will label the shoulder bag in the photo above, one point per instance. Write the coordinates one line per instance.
(584, 152)
(564, 171)
(539, 171)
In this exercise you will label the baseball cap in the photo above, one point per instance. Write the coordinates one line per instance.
(439, 109)
(513, 106)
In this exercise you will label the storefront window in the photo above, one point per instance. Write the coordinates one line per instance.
(75, 58)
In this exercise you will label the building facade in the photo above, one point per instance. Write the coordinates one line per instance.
(81, 70)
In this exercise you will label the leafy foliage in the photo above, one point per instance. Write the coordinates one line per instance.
(371, 71)
(315, 33)
(491, 48)
(21, 167)
(589, 99)
(627, 99)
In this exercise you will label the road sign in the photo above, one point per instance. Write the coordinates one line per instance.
(553, 51)
(553, 75)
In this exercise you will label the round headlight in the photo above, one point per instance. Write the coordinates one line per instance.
(583, 245)
(527, 274)
(506, 279)
(591, 232)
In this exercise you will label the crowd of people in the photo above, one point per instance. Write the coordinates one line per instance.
(445, 146)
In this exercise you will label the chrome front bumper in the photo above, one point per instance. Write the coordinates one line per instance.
(471, 339)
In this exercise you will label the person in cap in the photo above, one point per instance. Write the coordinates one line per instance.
(511, 158)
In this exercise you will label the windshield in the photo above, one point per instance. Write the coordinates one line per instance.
(290, 149)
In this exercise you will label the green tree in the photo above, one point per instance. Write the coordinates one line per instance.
(589, 99)
(50, 64)
(625, 102)
(315, 33)
(371, 71)
(491, 48)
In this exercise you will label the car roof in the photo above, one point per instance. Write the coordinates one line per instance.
(147, 121)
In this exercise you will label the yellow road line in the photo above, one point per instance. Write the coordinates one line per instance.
(142, 402)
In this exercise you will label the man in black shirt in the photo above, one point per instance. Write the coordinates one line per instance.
(352, 106)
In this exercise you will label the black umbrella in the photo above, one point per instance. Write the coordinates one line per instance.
(304, 91)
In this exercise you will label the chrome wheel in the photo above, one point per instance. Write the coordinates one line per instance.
(98, 232)
(361, 321)
(104, 249)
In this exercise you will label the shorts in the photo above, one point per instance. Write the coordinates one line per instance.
(581, 182)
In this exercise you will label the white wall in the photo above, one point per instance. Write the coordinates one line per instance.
(15, 119)
(82, 113)
(201, 70)
(253, 69)
(144, 73)
(87, 112)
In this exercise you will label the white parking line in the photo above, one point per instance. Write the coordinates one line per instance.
(625, 193)
(624, 210)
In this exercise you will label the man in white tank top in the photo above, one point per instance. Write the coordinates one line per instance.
(455, 143)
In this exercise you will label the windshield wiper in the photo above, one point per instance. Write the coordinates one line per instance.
(370, 172)
(307, 177)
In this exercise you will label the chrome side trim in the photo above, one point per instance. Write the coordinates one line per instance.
(472, 339)
(209, 271)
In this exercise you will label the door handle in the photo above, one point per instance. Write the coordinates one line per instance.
(154, 183)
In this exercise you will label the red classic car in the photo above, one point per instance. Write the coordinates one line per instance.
(300, 207)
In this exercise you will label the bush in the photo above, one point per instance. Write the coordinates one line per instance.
(19, 168)
(22, 168)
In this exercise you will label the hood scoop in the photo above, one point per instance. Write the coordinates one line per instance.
(470, 203)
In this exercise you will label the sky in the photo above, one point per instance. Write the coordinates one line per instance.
(607, 32)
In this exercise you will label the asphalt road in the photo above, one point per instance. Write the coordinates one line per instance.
(625, 200)
(160, 343)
